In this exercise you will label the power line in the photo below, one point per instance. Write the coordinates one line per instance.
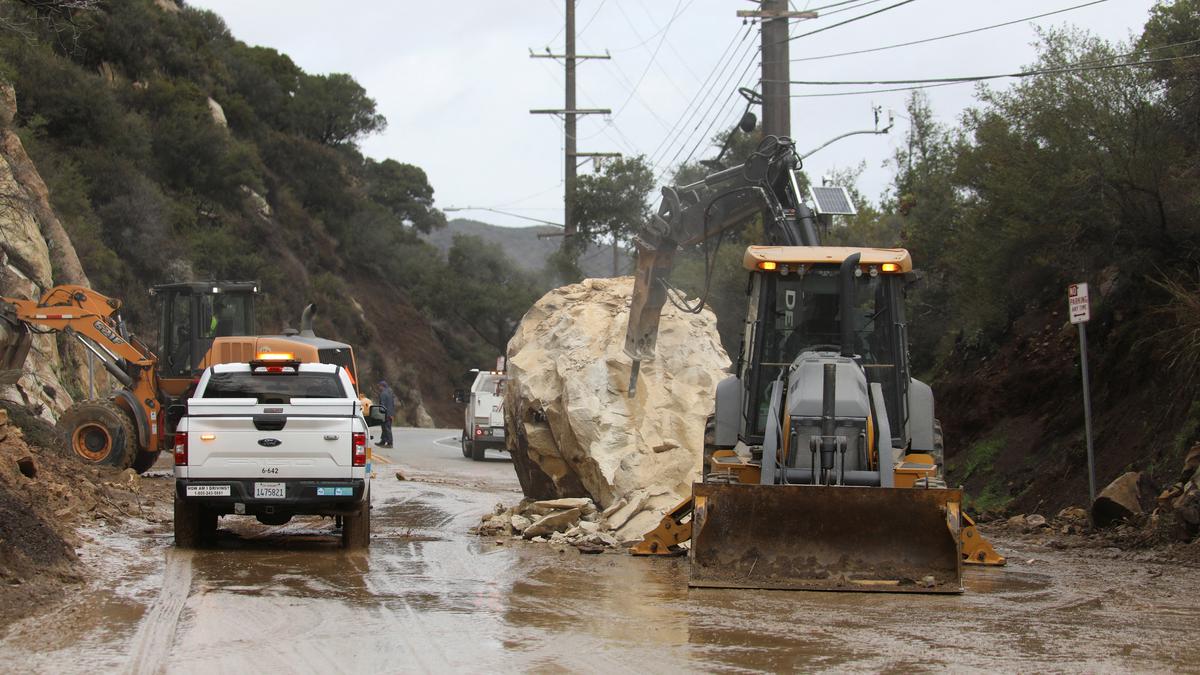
(703, 137)
(851, 20)
(739, 59)
(945, 82)
(679, 8)
(980, 78)
(949, 35)
(592, 18)
(689, 111)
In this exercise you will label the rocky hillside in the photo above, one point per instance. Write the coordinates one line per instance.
(148, 145)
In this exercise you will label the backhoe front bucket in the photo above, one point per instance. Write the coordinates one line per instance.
(807, 537)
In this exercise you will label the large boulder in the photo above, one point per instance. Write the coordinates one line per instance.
(573, 430)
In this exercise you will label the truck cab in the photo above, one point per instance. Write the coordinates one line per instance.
(483, 419)
(273, 438)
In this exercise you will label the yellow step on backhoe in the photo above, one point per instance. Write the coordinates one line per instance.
(823, 460)
(200, 324)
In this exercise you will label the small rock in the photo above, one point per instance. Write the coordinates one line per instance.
(400, 476)
(520, 523)
(3, 416)
(589, 548)
(1033, 521)
(499, 542)
(565, 503)
(613, 508)
(554, 522)
(539, 540)
(499, 508)
(928, 581)
(666, 445)
(1073, 513)
(1017, 521)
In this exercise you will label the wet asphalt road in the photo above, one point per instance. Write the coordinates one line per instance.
(430, 597)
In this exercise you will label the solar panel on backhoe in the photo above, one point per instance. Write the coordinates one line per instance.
(833, 201)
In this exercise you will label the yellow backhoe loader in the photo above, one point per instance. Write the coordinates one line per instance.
(823, 459)
(201, 323)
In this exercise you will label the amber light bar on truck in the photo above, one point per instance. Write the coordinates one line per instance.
(280, 363)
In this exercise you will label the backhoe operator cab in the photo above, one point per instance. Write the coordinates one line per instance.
(796, 307)
(191, 316)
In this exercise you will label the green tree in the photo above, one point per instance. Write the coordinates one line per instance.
(485, 291)
(403, 190)
(611, 205)
(333, 110)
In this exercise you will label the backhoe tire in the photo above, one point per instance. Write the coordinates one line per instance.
(356, 527)
(195, 526)
(99, 432)
(144, 461)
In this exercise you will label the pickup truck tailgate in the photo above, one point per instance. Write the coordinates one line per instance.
(242, 438)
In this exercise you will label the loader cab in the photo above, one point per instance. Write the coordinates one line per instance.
(795, 306)
(192, 315)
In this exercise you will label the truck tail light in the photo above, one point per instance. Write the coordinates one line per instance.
(358, 446)
(478, 431)
(181, 458)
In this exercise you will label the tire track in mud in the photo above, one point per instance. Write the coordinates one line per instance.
(156, 633)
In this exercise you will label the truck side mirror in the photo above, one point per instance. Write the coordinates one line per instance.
(376, 416)
(460, 396)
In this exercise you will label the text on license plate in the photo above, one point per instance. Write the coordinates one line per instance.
(269, 491)
(208, 490)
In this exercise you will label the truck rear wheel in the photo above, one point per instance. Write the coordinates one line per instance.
(466, 446)
(478, 451)
(195, 526)
(99, 432)
(356, 527)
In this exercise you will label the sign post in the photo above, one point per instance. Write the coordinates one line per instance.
(1081, 313)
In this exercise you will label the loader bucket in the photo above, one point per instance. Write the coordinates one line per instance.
(15, 341)
(807, 537)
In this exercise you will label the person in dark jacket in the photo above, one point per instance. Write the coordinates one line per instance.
(387, 399)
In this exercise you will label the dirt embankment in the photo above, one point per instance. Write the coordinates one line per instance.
(46, 498)
(1013, 414)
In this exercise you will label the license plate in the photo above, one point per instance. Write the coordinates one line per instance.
(208, 490)
(269, 491)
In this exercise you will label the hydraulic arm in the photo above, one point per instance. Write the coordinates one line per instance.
(691, 215)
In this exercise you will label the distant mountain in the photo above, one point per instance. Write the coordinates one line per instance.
(522, 246)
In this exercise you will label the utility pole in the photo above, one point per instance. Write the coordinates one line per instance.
(569, 113)
(776, 68)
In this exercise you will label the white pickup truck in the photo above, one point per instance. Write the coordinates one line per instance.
(483, 420)
(273, 438)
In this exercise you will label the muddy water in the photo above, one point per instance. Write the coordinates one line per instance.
(430, 597)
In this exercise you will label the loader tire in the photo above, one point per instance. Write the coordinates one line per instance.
(195, 526)
(145, 460)
(99, 432)
(356, 527)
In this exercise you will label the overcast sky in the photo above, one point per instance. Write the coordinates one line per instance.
(456, 82)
